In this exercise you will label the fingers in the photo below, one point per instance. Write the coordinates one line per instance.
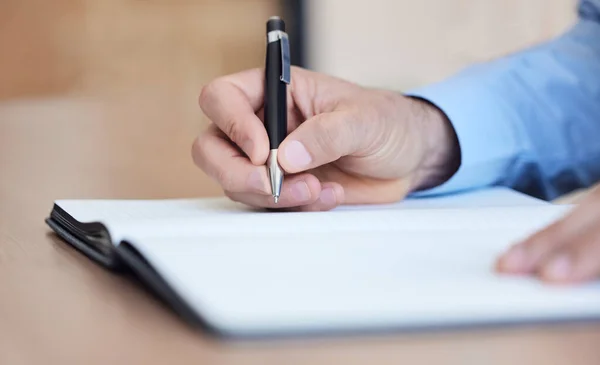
(331, 196)
(246, 183)
(231, 103)
(296, 190)
(525, 257)
(578, 261)
(567, 250)
(222, 162)
(320, 140)
(301, 192)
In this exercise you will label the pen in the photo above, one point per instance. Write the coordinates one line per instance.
(277, 77)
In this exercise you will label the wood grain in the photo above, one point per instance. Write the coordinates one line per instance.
(56, 306)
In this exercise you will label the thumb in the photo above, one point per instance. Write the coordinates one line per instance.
(321, 139)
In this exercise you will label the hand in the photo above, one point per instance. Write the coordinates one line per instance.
(345, 143)
(567, 251)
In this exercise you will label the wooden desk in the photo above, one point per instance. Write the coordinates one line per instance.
(56, 306)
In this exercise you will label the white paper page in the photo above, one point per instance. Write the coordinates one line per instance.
(106, 210)
(351, 220)
(391, 269)
(160, 217)
(489, 197)
(86, 210)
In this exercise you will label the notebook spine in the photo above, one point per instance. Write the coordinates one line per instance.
(106, 258)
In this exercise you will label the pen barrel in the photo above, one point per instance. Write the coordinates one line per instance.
(275, 112)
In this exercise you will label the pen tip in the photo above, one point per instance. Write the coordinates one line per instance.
(276, 198)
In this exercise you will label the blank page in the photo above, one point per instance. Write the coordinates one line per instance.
(152, 217)
(362, 270)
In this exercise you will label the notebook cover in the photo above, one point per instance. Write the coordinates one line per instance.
(142, 270)
(127, 258)
(109, 262)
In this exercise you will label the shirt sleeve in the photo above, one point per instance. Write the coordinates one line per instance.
(530, 120)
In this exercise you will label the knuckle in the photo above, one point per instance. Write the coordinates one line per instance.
(207, 92)
(231, 195)
(226, 179)
(232, 129)
(205, 95)
(198, 151)
(333, 138)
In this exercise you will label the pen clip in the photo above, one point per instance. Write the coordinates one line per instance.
(284, 44)
(285, 57)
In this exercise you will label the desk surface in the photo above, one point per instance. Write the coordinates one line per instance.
(56, 306)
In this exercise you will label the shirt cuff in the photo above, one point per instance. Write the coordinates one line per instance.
(484, 123)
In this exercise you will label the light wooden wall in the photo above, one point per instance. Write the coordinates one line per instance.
(105, 46)
(401, 44)
(108, 46)
(37, 40)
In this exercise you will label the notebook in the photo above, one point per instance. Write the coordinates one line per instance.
(421, 264)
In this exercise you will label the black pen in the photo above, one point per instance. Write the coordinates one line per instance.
(277, 77)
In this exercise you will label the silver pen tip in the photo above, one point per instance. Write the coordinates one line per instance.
(275, 175)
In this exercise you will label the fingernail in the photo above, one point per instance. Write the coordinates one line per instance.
(300, 191)
(327, 196)
(296, 154)
(256, 182)
(247, 147)
(559, 268)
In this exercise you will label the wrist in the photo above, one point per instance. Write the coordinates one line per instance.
(441, 156)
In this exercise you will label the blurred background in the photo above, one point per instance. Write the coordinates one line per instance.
(103, 92)
(401, 44)
(88, 46)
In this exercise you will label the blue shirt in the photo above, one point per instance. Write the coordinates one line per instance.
(531, 120)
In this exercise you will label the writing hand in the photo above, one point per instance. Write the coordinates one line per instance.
(346, 143)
